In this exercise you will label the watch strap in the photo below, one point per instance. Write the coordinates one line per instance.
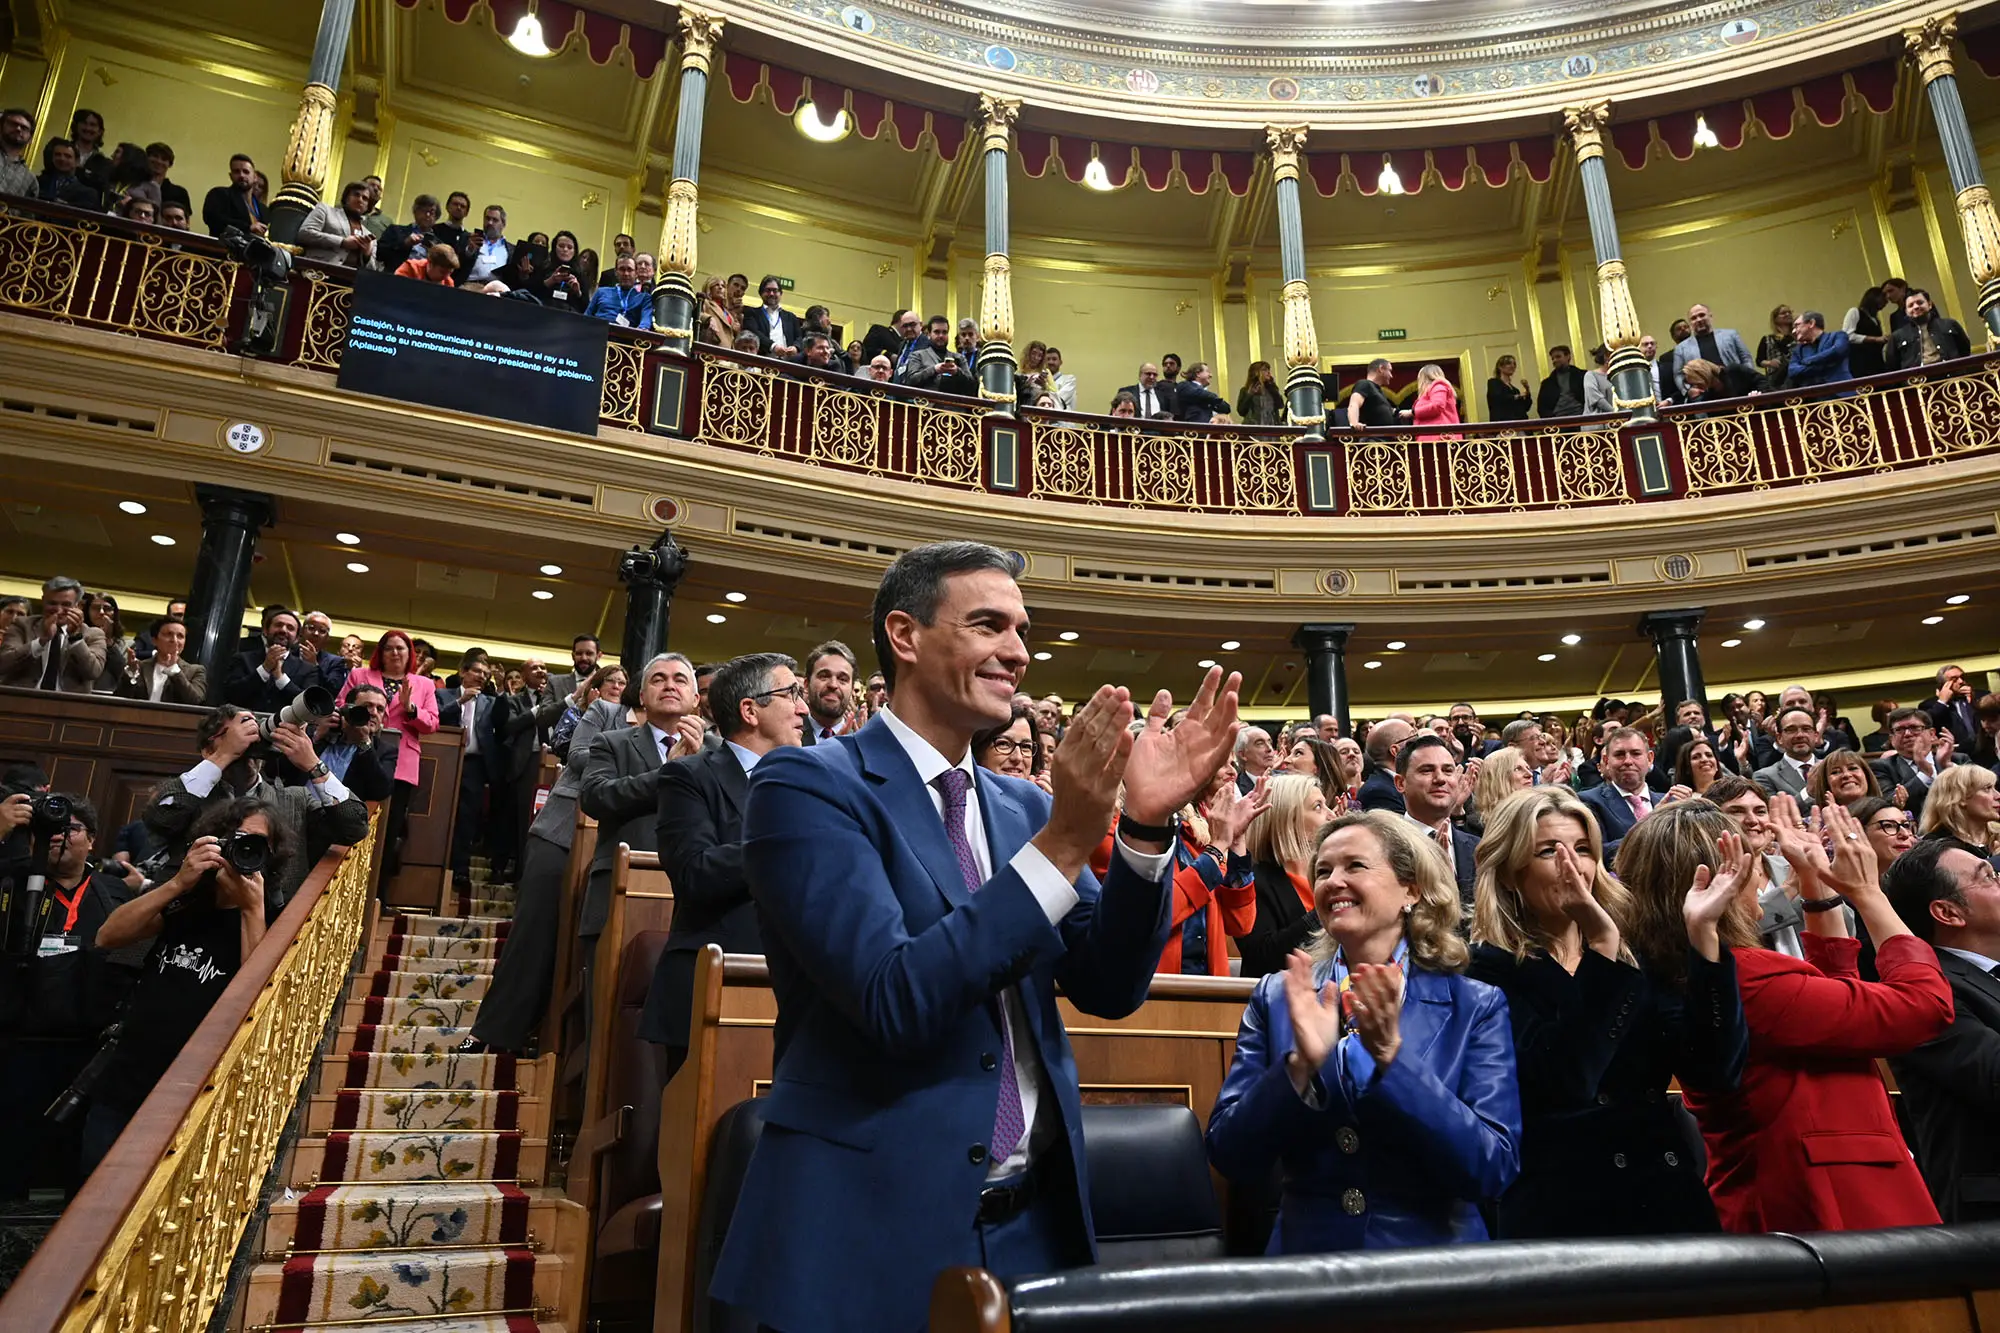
(1822, 904)
(1131, 828)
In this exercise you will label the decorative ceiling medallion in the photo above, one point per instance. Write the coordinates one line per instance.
(856, 19)
(1354, 90)
(1740, 32)
(664, 509)
(1677, 567)
(1336, 582)
(1426, 85)
(1000, 58)
(1283, 90)
(1143, 82)
(1579, 66)
(245, 438)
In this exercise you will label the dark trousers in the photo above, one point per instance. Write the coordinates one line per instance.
(399, 823)
(39, 1154)
(519, 997)
(503, 834)
(469, 829)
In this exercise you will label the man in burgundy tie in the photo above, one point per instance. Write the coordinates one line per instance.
(919, 913)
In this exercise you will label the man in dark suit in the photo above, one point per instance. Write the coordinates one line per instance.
(266, 678)
(1623, 798)
(235, 204)
(1432, 785)
(316, 646)
(1378, 784)
(1916, 756)
(1947, 894)
(1561, 394)
(1926, 336)
(777, 328)
(1952, 709)
(522, 736)
(1798, 743)
(759, 706)
(918, 914)
(1664, 388)
(477, 715)
(1196, 401)
(1153, 395)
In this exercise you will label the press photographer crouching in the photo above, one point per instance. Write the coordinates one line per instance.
(58, 990)
(203, 922)
(353, 748)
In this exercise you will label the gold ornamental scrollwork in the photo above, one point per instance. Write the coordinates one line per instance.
(1585, 124)
(624, 372)
(1064, 462)
(1301, 340)
(1482, 473)
(700, 31)
(1836, 435)
(1163, 470)
(1589, 467)
(328, 306)
(310, 147)
(1614, 303)
(947, 446)
(997, 116)
(996, 300)
(1284, 143)
(845, 426)
(1961, 414)
(1378, 477)
(677, 237)
(1981, 228)
(1265, 480)
(735, 407)
(39, 265)
(1929, 44)
(1720, 452)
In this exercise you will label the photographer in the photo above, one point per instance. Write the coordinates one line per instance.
(203, 923)
(320, 814)
(353, 748)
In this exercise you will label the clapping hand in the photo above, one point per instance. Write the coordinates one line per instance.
(1855, 871)
(1230, 813)
(1799, 840)
(1709, 897)
(1576, 897)
(1315, 1014)
(1375, 1001)
(1168, 768)
(688, 734)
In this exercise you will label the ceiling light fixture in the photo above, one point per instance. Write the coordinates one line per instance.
(1095, 176)
(1069, 636)
(1370, 665)
(1732, 643)
(717, 618)
(737, 597)
(1928, 620)
(1230, 645)
(1956, 599)
(1753, 624)
(1396, 645)
(1206, 663)
(821, 131)
(541, 594)
(1044, 655)
(1704, 137)
(132, 506)
(162, 539)
(1572, 639)
(1545, 657)
(527, 38)
(356, 567)
(348, 538)
(551, 570)
(1388, 182)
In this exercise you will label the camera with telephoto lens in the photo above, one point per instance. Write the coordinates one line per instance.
(305, 710)
(356, 715)
(270, 268)
(24, 900)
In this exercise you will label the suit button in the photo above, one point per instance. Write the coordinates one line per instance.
(988, 1062)
(1353, 1203)
(1604, 1099)
(1673, 1159)
(976, 1155)
(1618, 1160)
(1347, 1140)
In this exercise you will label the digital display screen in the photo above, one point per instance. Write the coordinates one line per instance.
(487, 355)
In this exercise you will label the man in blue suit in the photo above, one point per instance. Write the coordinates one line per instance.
(1623, 798)
(918, 914)
(1432, 786)
(481, 757)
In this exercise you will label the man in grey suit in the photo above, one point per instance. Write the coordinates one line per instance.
(1724, 347)
(584, 653)
(926, 362)
(1798, 738)
(621, 777)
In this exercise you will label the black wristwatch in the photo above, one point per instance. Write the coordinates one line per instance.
(1131, 829)
(1822, 904)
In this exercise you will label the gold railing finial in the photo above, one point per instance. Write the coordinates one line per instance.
(1929, 44)
(1284, 143)
(1585, 124)
(700, 31)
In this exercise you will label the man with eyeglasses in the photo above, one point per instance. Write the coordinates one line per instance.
(777, 328)
(758, 705)
(1917, 755)
(352, 746)
(1948, 896)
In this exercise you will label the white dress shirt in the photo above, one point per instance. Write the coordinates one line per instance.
(663, 739)
(468, 718)
(203, 777)
(1449, 844)
(1056, 896)
(160, 677)
(1987, 965)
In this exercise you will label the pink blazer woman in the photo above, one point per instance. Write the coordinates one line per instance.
(1436, 406)
(422, 693)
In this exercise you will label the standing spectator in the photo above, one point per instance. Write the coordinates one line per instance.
(1963, 805)
(59, 182)
(1506, 400)
(622, 303)
(57, 650)
(1261, 402)
(1061, 384)
(1623, 798)
(86, 131)
(1819, 354)
(489, 250)
(1597, 395)
(1774, 349)
(1436, 404)
(452, 231)
(1368, 407)
(716, 323)
(1197, 401)
(1279, 845)
(1150, 397)
(315, 640)
(163, 677)
(562, 282)
(142, 645)
(17, 130)
(1429, 779)
(1661, 370)
(777, 329)
(1719, 347)
(1562, 388)
(236, 204)
(412, 240)
(479, 757)
(101, 609)
(830, 671)
(1926, 336)
(622, 247)
(1798, 740)
(337, 233)
(413, 713)
(926, 362)
(1867, 343)
(1951, 709)
(1917, 757)
(266, 678)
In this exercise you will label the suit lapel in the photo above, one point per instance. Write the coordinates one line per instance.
(908, 804)
(1006, 822)
(1425, 1011)
(729, 776)
(1982, 981)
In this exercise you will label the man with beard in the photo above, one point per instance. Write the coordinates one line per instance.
(266, 678)
(830, 670)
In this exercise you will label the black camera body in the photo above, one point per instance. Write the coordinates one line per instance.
(247, 853)
(48, 814)
(24, 900)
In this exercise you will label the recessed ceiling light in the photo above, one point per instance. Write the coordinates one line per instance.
(1732, 643)
(1928, 620)
(1370, 665)
(356, 567)
(1206, 663)
(348, 538)
(162, 539)
(1956, 599)
(1044, 655)
(717, 618)
(541, 594)
(1068, 636)
(738, 597)
(552, 570)
(134, 507)
(1753, 624)
(1572, 639)
(1397, 645)
(1545, 657)
(1230, 645)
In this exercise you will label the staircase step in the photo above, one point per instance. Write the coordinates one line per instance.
(366, 1285)
(432, 946)
(453, 985)
(409, 1215)
(424, 1110)
(404, 963)
(381, 1156)
(458, 927)
(384, 1037)
(441, 1069)
(418, 1012)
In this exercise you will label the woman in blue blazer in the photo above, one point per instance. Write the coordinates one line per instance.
(1379, 1077)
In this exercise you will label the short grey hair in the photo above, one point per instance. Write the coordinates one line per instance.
(61, 583)
(658, 658)
(1247, 736)
(968, 325)
(1815, 316)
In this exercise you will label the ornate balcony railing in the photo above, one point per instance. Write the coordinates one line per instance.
(98, 272)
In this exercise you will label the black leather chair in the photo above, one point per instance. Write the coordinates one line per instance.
(628, 1167)
(1151, 1197)
(735, 1138)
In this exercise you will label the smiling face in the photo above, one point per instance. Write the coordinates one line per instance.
(964, 668)
(1355, 892)
(1699, 320)
(1890, 832)
(1753, 816)
(1012, 752)
(1846, 777)
(1625, 762)
(1540, 881)
(831, 688)
(1702, 765)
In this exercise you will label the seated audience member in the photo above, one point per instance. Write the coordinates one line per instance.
(1436, 404)
(1917, 757)
(560, 281)
(414, 239)
(164, 678)
(1722, 348)
(777, 328)
(517, 280)
(138, 207)
(1964, 805)
(1597, 395)
(1124, 405)
(174, 216)
(746, 341)
(1950, 1085)
(338, 233)
(204, 921)
(817, 353)
(1609, 1004)
(1819, 354)
(1506, 400)
(1807, 1142)
(622, 303)
(59, 182)
(1702, 381)
(1430, 781)
(236, 204)
(1562, 392)
(1926, 337)
(413, 713)
(487, 251)
(435, 267)
(759, 706)
(1197, 401)
(1377, 1076)
(354, 747)
(266, 678)
(1279, 844)
(1952, 711)
(17, 131)
(57, 650)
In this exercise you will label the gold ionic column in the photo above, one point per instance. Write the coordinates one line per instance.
(997, 361)
(1928, 45)
(674, 291)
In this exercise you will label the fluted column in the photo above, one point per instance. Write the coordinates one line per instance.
(673, 294)
(996, 299)
(309, 149)
(1930, 46)
(1305, 394)
(1631, 376)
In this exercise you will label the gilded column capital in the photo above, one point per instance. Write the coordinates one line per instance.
(309, 148)
(700, 31)
(997, 115)
(1929, 44)
(1284, 143)
(1585, 124)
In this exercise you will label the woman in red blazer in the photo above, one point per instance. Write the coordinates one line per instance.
(1807, 1142)
(1436, 404)
(413, 711)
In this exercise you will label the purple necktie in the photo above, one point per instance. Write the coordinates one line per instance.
(1009, 1123)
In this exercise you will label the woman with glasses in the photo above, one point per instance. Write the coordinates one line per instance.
(607, 682)
(1889, 828)
(1013, 750)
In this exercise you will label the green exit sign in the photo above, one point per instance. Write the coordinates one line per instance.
(1391, 335)
(784, 284)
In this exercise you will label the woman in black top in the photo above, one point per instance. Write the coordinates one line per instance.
(1280, 846)
(1596, 1038)
(1867, 344)
(1506, 400)
(204, 922)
